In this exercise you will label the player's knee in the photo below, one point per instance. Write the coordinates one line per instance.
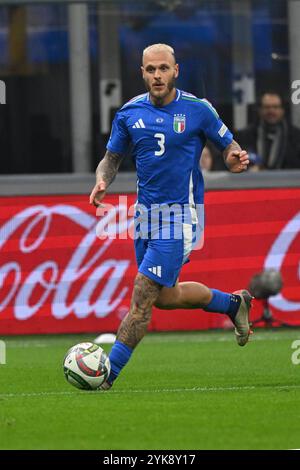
(162, 301)
(168, 298)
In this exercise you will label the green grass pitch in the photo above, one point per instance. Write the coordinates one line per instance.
(180, 391)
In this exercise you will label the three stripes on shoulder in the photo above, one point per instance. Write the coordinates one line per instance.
(139, 124)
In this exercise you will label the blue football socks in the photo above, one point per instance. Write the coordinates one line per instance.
(222, 302)
(119, 356)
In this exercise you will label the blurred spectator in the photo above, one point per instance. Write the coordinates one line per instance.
(271, 142)
(206, 160)
(212, 159)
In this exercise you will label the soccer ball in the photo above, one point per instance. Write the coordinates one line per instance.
(86, 366)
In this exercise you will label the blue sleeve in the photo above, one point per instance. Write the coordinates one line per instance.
(119, 139)
(215, 130)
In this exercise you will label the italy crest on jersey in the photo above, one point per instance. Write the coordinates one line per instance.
(179, 123)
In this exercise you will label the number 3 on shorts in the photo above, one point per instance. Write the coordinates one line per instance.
(161, 142)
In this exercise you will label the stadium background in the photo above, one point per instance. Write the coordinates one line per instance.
(65, 68)
(66, 71)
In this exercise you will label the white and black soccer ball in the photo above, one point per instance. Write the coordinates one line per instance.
(86, 366)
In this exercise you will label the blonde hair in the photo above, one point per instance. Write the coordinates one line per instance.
(159, 48)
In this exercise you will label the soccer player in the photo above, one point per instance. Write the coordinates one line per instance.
(167, 129)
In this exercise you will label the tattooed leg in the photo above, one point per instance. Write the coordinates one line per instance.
(134, 326)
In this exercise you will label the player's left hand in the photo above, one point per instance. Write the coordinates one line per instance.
(237, 161)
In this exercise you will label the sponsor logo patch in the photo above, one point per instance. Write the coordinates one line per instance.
(222, 131)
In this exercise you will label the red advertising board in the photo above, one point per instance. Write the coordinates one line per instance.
(57, 276)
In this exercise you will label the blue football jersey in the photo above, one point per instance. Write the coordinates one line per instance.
(167, 142)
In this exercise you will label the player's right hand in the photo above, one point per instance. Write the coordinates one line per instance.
(98, 193)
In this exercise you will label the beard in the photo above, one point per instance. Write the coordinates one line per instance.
(159, 95)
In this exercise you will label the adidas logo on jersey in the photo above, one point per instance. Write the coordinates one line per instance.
(139, 124)
(155, 270)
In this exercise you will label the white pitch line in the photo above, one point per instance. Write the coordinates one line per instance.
(182, 338)
(163, 390)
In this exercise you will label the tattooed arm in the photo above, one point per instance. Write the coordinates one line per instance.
(105, 174)
(235, 158)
